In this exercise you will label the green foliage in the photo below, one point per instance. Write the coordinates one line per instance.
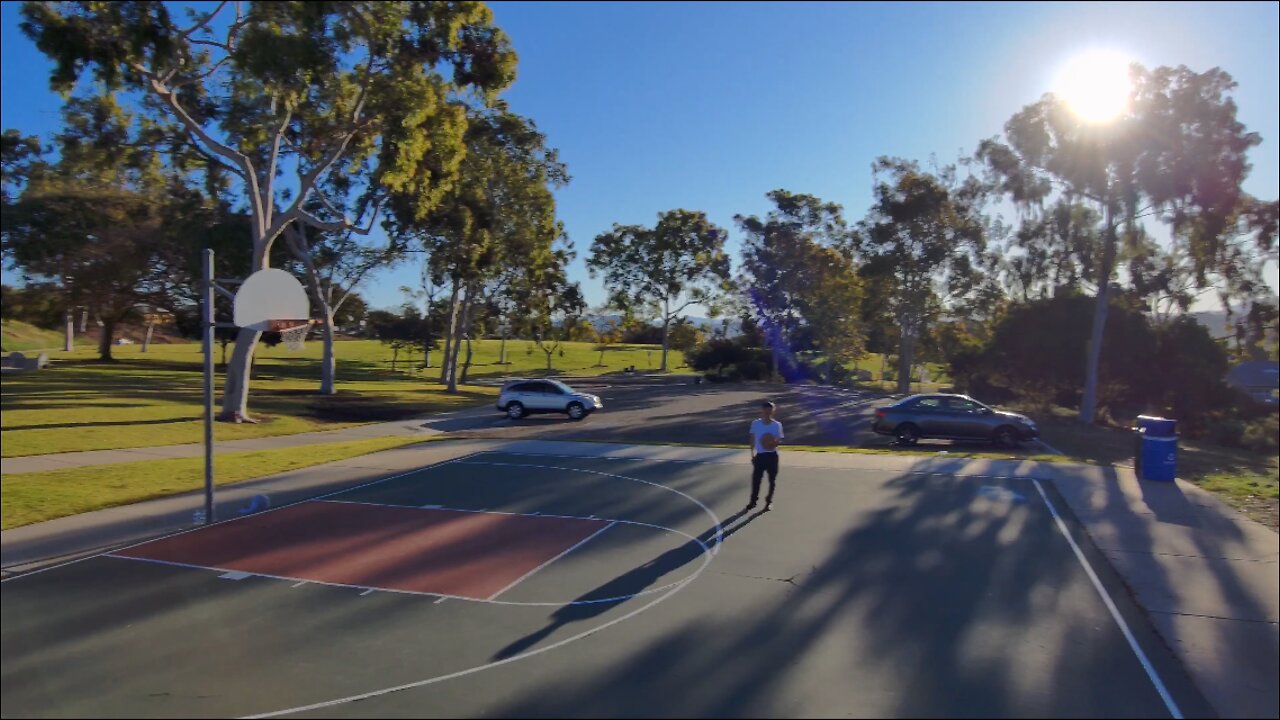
(799, 279)
(1178, 153)
(923, 237)
(684, 335)
(1176, 369)
(665, 269)
(730, 359)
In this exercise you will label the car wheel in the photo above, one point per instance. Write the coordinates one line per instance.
(907, 434)
(515, 410)
(576, 411)
(1006, 437)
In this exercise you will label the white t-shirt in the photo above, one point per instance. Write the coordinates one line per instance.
(759, 428)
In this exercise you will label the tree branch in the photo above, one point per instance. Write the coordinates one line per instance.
(170, 98)
(275, 156)
(204, 20)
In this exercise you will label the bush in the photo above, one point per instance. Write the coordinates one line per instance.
(1262, 435)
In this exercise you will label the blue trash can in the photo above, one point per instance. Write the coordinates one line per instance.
(1156, 454)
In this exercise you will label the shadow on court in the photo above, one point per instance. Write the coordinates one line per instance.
(596, 602)
(920, 609)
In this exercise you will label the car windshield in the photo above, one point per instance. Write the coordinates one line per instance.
(562, 387)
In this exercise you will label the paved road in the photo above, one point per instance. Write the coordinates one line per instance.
(686, 413)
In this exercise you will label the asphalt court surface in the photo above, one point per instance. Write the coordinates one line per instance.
(537, 585)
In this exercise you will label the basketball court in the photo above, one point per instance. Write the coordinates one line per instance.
(541, 585)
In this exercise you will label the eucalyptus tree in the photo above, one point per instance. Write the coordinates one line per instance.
(785, 267)
(501, 213)
(926, 233)
(1178, 154)
(677, 263)
(105, 219)
(282, 96)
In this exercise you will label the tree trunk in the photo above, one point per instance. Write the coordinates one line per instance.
(1093, 353)
(235, 392)
(445, 367)
(666, 335)
(328, 364)
(466, 366)
(104, 340)
(464, 329)
(395, 355)
(459, 328)
(548, 352)
(906, 347)
(502, 349)
(146, 339)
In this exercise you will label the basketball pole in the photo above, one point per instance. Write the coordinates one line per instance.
(206, 294)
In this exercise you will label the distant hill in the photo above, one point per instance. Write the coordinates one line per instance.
(1217, 323)
(599, 322)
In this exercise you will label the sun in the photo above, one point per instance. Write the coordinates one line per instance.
(1096, 85)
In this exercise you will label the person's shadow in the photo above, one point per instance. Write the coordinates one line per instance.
(622, 588)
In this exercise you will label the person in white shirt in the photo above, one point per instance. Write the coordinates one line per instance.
(766, 435)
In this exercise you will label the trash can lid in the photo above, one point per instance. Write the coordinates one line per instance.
(1157, 426)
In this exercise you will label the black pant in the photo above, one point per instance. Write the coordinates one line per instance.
(763, 462)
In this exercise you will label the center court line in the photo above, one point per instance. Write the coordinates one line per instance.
(1169, 703)
(529, 574)
(715, 520)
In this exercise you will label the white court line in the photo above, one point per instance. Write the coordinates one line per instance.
(719, 531)
(529, 574)
(301, 581)
(479, 668)
(1111, 606)
(366, 592)
(444, 596)
(675, 588)
(106, 553)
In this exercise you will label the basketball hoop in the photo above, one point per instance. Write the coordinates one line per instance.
(272, 300)
(292, 332)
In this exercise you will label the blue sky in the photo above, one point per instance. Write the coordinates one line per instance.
(708, 106)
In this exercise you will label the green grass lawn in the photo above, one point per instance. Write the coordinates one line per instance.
(35, 497)
(16, 335)
(154, 398)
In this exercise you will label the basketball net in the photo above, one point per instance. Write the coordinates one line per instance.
(292, 332)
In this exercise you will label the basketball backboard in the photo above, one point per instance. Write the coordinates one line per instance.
(268, 296)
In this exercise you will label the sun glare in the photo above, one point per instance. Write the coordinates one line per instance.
(1096, 85)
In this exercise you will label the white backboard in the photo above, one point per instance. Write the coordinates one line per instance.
(267, 295)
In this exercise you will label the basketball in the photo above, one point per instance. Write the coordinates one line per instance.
(768, 441)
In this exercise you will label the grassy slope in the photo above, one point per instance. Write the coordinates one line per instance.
(34, 497)
(155, 398)
(16, 335)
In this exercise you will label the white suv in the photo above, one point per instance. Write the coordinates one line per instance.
(522, 397)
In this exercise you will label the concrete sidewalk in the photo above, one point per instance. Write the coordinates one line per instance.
(1208, 578)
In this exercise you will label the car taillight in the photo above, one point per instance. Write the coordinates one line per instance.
(880, 413)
